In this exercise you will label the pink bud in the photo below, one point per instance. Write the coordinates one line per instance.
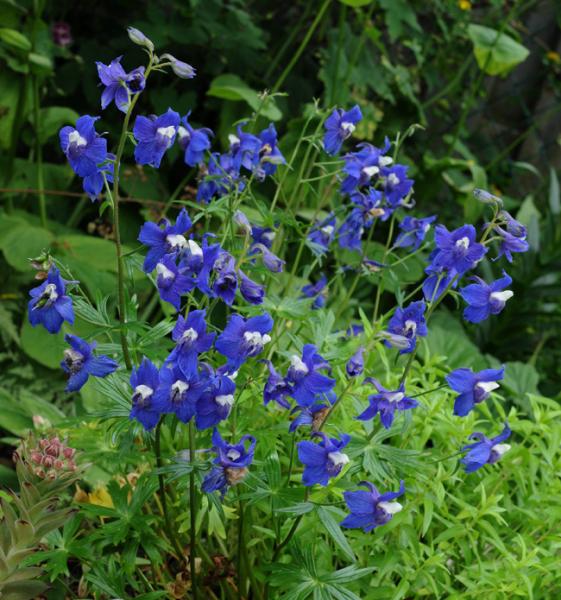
(48, 461)
(36, 457)
(68, 452)
(58, 464)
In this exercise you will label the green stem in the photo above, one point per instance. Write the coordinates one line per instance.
(302, 46)
(380, 286)
(241, 578)
(39, 154)
(193, 510)
(158, 455)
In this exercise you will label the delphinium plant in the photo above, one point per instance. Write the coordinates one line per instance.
(267, 417)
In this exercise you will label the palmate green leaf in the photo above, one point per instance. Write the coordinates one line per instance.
(331, 525)
(496, 53)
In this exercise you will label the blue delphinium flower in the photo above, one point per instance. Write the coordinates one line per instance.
(473, 388)
(271, 261)
(311, 415)
(232, 462)
(276, 388)
(216, 403)
(355, 364)
(155, 135)
(457, 250)
(192, 339)
(483, 299)
(386, 403)
(370, 509)
(178, 392)
(223, 176)
(364, 166)
(304, 376)
(80, 362)
(485, 451)
(84, 148)
(93, 184)
(223, 278)
(171, 283)
(268, 156)
(163, 238)
(324, 460)
(119, 85)
(513, 238)
(144, 381)
(351, 231)
(396, 184)
(242, 339)
(49, 304)
(317, 291)
(251, 291)
(439, 278)
(339, 126)
(263, 235)
(193, 142)
(321, 235)
(408, 322)
(412, 232)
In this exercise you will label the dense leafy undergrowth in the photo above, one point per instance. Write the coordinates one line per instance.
(265, 400)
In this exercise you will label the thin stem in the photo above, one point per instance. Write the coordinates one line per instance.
(193, 510)
(291, 532)
(158, 455)
(241, 582)
(302, 46)
(39, 154)
(380, 286)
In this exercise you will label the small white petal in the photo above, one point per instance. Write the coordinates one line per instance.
(338, 458)
(502, 296)
(487, 386)
(390, 507)
(500, 449)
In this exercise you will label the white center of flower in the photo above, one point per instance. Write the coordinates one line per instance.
(73, 355)
(182, 133)
(75, 138)
(347, 127)
(143, 391)
(410, 326)
(487, 386)
(395, 396)
(371, 171)
(189, 335)
(384, 161)
(167, 133)
(179, 387)
(426, 227)
(338, 458)
(390, 507)
(298, 364)
(502, 296)
(463, 243)
(500, 449)
(225, 400)
(233, 454)
(50, 291)
(269, 235)
(195, 249)
(256, 339)
(393, 179)
(233, 139)
(176, 240)
(328, 229)
(164, 272)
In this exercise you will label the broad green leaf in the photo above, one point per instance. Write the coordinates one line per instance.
(23, 242)
(554, 202)
(15, 39)
(496, 53)
(44, 347)
(12, 417)
(231, 87)
(52, 119)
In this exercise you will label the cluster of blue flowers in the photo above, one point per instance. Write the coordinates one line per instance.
(186, 385)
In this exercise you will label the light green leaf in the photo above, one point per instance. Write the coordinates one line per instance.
(23, 242)
(496, 53)
(46, 348)
(231, 87)
(15, 39)
(334, 530)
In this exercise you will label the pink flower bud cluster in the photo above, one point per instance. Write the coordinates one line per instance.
(51, 458)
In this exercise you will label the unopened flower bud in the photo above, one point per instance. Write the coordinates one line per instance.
(48, 461)
(486, 197)
(242, 221)
(319, 418)
(68, 452)
(137, 37)
(36, 457)
(180, 68)
(58, 464)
